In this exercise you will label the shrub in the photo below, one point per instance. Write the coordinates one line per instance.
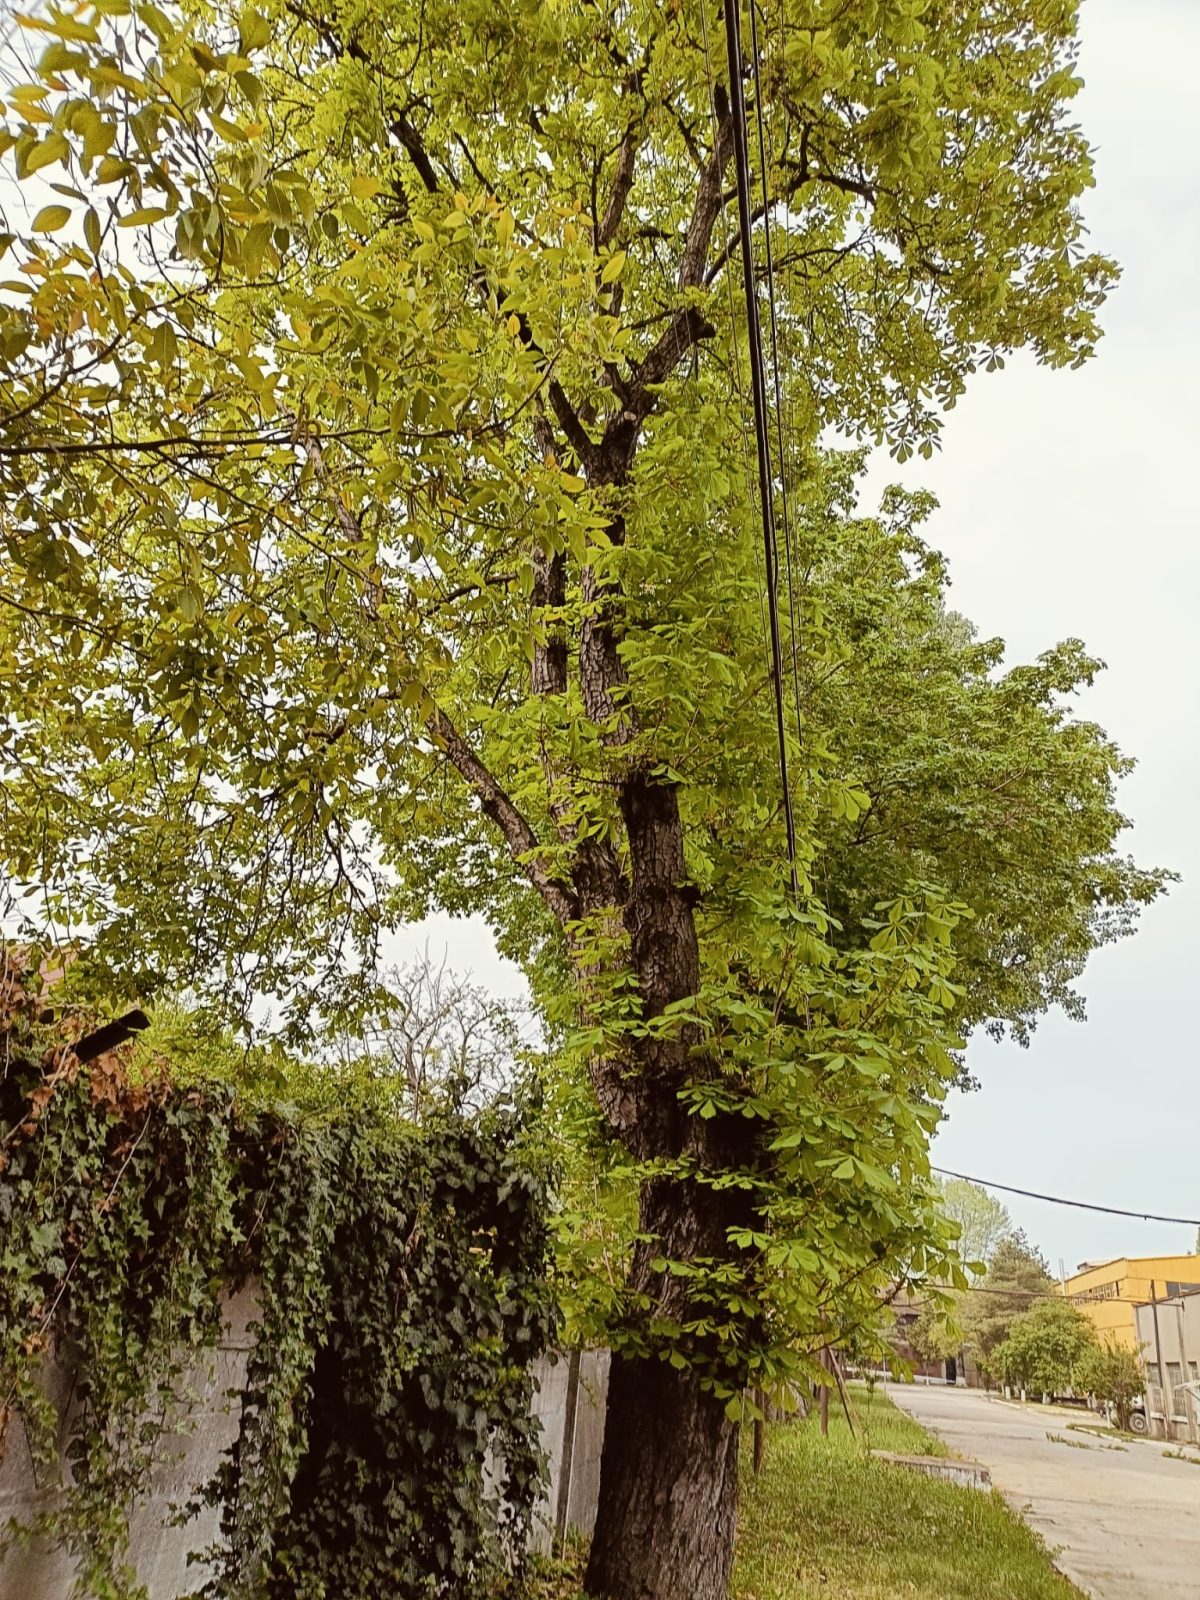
(1112, 1374)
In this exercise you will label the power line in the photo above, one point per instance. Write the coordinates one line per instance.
(733, 329)
(1084, 1297)
(1057, 1200)
(783, 488)
(737, 106)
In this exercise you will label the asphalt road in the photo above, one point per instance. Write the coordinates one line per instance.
(1124, 1523)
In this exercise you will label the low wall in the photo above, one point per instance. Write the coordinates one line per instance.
(967, 1474)
(569, 1405)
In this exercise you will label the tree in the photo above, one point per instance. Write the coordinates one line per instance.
(981, 1223)
(378, 535)
(1112, 1373)
(440, 1030)
(937, 1333)
(1016, 1280)
(1045, 1348)
(981, 1219)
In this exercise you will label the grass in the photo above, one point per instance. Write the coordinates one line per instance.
(1105, 1432)
(1082, 1444)
(825, 1521)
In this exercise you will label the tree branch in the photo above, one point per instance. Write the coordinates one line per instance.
(411, 140)
(568, 420)
(709, 200)
(523, 843)
(622, 184)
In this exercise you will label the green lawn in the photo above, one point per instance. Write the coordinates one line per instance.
(825, 1520)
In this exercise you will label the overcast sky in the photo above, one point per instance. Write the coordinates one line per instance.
(1068, 508)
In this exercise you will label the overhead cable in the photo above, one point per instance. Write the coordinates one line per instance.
(737, 106)
(784, 518)
(1057, 1200)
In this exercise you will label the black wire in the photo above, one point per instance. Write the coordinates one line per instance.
(1057, 1200)
(733, 325)
(783, 493)
(737, 105)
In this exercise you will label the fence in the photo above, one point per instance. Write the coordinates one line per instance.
(1173, 1409)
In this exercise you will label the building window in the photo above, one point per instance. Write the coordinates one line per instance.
(1181, 1288)
(1102, 1291)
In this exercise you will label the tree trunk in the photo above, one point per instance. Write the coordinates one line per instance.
(668, 1474)
(668, 1488)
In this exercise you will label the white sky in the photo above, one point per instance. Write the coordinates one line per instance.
(1068, 509)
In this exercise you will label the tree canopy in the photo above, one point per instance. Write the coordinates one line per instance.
(1048, 1348)
(1016, 1280)
(983, 1221)
(311, 438)
(378, 534)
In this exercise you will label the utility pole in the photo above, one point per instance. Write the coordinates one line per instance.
(1158, 1361)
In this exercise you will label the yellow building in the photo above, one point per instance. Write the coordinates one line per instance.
(1108, 1291)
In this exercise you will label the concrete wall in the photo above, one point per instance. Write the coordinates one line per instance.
(569, 1405)
(187, 1458)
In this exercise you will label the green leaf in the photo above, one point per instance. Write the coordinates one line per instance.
(51, 218)
(49, 150)
(142, 216)
(613, 267)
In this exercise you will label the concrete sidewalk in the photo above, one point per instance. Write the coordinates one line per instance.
(1124, 1522)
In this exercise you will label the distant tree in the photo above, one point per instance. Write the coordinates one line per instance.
(937, 1333)
(981, 1219)
(1046, 1348)
(1111, 1373)
(1017, 1278)
(982, 1223)
(438, 1027)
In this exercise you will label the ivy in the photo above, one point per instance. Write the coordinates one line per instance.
(385, 1442)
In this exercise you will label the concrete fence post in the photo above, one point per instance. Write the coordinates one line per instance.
(562, 1506)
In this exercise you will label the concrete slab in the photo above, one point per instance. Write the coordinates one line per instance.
(1124, 1523)
(967, 1474)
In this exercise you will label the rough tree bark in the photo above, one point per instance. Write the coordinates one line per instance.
(668, 1489)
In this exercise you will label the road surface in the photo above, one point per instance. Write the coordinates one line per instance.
(1124, 1523)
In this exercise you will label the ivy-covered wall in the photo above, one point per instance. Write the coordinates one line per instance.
(384, 1442)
